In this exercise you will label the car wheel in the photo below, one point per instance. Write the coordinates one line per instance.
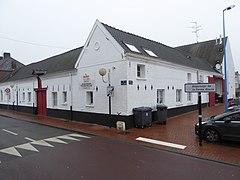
(211, 135)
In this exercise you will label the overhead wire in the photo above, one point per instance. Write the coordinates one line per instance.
(31, 43)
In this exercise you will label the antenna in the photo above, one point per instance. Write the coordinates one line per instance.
(196, 28)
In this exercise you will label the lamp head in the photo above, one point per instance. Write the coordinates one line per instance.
(229, 7)
(102, 72)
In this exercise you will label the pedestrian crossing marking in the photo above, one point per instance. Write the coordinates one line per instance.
(78, 135)
(68, 137)
(55, 140)
(11, 151)
(42, 143)
(27, 146)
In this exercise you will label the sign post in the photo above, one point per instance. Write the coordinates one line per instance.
(199, 88)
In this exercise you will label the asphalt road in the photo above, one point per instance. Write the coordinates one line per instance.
(89, 157)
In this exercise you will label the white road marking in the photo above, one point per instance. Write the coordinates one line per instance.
(10, 132)
(55, 140)
(11, 151)
(68, 137)
(27, 146)
(30, 139)
(42, 143)
(78, 135)
(153, 141)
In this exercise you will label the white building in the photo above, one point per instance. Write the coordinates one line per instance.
(143, 73)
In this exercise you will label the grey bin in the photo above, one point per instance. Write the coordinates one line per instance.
(161, 113)
(142, 116)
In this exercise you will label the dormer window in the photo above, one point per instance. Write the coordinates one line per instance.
(132, 48)
(150, 53)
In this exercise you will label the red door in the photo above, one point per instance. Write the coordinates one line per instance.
(211, 94)
(41, 101)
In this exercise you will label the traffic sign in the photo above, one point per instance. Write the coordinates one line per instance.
(7, 90)
(200, 87)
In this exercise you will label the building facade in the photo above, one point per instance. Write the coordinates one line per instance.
(140, 72)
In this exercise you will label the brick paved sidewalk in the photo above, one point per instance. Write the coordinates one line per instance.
(179, 130)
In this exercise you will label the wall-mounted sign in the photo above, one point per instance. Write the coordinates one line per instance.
(200, 87)
(87, 85)
(86, 77)
(7, 90)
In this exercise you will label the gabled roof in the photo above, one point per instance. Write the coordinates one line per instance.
(211, 50)
(59, 63)
(162, 51)
(7, 64)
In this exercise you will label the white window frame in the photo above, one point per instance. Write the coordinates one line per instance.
(64, 97)
(189, 97)
(54, 99)
(150, 53)
(189, 77)
(179, 95)
(141, 71)
(89, 98)
(132, 48)
(201, 79)
(160, 96)
(1, 95)
(29, 97)
(23, 96)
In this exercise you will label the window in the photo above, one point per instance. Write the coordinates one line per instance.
(189, 77)
(140, 71)
(132, 47)
(150, 53)
(23, 96)
(54, 98)
(89, 98)
(8, 97)
(189, 96)
(29, 97)
(160, 96)
(1, 95)
(201, 78)
(178, 95)
(64, 96)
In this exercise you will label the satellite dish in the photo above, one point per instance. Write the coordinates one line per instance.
(218, 66)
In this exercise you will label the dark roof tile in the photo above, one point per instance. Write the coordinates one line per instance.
(58, 63)
(164, 52)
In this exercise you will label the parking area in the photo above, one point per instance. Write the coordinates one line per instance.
(177, 135)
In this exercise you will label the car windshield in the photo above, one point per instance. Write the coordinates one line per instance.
(219, 116)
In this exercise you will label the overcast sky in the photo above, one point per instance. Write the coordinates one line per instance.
(32, 30)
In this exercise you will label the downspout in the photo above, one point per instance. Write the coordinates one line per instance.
(71, 103)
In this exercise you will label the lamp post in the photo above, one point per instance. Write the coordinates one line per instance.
(110, 90)
(225, 63)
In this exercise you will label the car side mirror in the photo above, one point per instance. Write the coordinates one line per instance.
(227, 120)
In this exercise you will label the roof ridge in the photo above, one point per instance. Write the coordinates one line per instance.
(199, 42)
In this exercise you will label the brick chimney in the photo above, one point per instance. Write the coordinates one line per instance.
(6, 55)
(14, 65)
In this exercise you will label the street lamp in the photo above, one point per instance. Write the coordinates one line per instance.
(110, 90)
(225, 63)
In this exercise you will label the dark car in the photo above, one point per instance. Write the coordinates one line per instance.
(234, 102)
(224, 126)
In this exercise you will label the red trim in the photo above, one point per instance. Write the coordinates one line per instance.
(211, 94)
(41, 98)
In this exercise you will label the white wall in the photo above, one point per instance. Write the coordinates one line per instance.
(161, 76)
